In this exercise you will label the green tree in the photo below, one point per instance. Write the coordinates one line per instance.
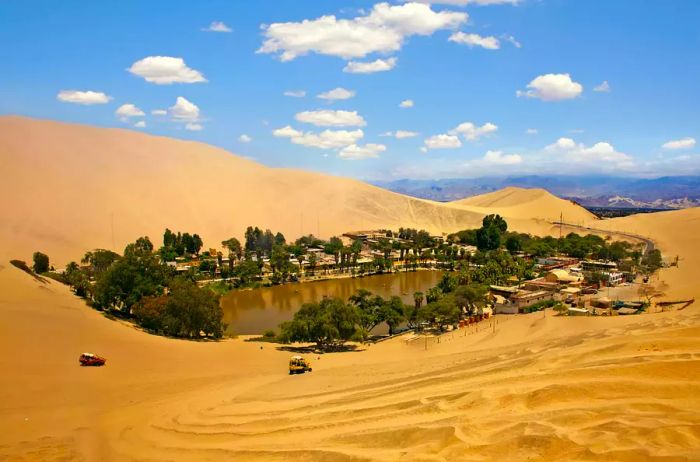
(191, 311)
(41, 262)
(138, 274)
(472, 297)
(328, 323)
(99, 260)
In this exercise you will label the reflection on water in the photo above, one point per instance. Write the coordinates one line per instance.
(254, 311)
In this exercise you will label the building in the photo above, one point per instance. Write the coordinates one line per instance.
(598, 266)
(562, 276)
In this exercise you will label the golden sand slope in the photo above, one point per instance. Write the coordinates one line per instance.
(676, 234)
(68, 188)
(526, 204)
(537, 389)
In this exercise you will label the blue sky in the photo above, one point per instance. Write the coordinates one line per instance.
(498, 86)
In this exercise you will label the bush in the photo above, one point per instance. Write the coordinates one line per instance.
(329, 324)
(41, 262)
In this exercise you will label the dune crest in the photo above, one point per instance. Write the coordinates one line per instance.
(75, 187)
(525, 203)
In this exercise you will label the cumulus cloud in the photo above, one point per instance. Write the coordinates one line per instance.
(159, 112)
(336, 94)
(355, 152)
(552, 87)
(128, 110)
(599, 155)
(406, 103)
(184, 110)
(382, 30)
(498, 158)
(472, 132)
(329, 118)
(327, 139)
(442, 141)
(378, 65)
(217, 26)
(86, 98)
(603, 87)
(164, 70)
(295, 93)
(194, 127)
(245, 138)
(683, 143)
(140, 124)
(472, 40)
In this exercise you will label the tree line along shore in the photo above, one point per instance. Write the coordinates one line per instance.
(158, 289)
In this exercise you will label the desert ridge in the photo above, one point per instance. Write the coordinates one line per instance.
(74, 187)
(526, 204)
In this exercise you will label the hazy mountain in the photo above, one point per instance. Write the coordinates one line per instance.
(590, 191)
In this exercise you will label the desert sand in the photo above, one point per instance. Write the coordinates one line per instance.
(75, 187)
(526, 204)
(533, 388)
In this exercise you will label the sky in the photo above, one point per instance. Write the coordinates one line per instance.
(372, 90)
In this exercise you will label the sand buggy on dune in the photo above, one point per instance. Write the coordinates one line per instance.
(299, 365)
(89, 359)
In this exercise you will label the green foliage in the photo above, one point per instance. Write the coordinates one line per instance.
(41, 262)
(328, 323)
(138, 274)
(99, 260)
(247, 271)
(187, 311)
(447, 283)
(177, 245)
(472, 297)
(652, 261)
(539, 306)
(234, 248)
(443, 311)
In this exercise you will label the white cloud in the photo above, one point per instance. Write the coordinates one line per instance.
(295, 93)
(217, 26)
(442, 141)
(355, 152)
(336, 94)
(164, 70)
(83, 97)
(383, 30)
(327, 139)
(600, 153)
(562, 144)
(184, 110)
(401, 134)
(329, 118)
(286, 132)
(531, 131)
(552, 87)
(472, 40)
(472, 132)
(378, 65)
(406, 103)
(159, 112)
(683, 143)
(140, 124)
(128, 110)
(194, 127)
(245, 138)
(603, 87)
(498, 158)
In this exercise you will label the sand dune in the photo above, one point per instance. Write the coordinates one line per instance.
(74, 187)
(539, 388)
(536, 388)
(525, 204)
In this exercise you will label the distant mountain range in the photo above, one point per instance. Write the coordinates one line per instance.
(590, 191)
